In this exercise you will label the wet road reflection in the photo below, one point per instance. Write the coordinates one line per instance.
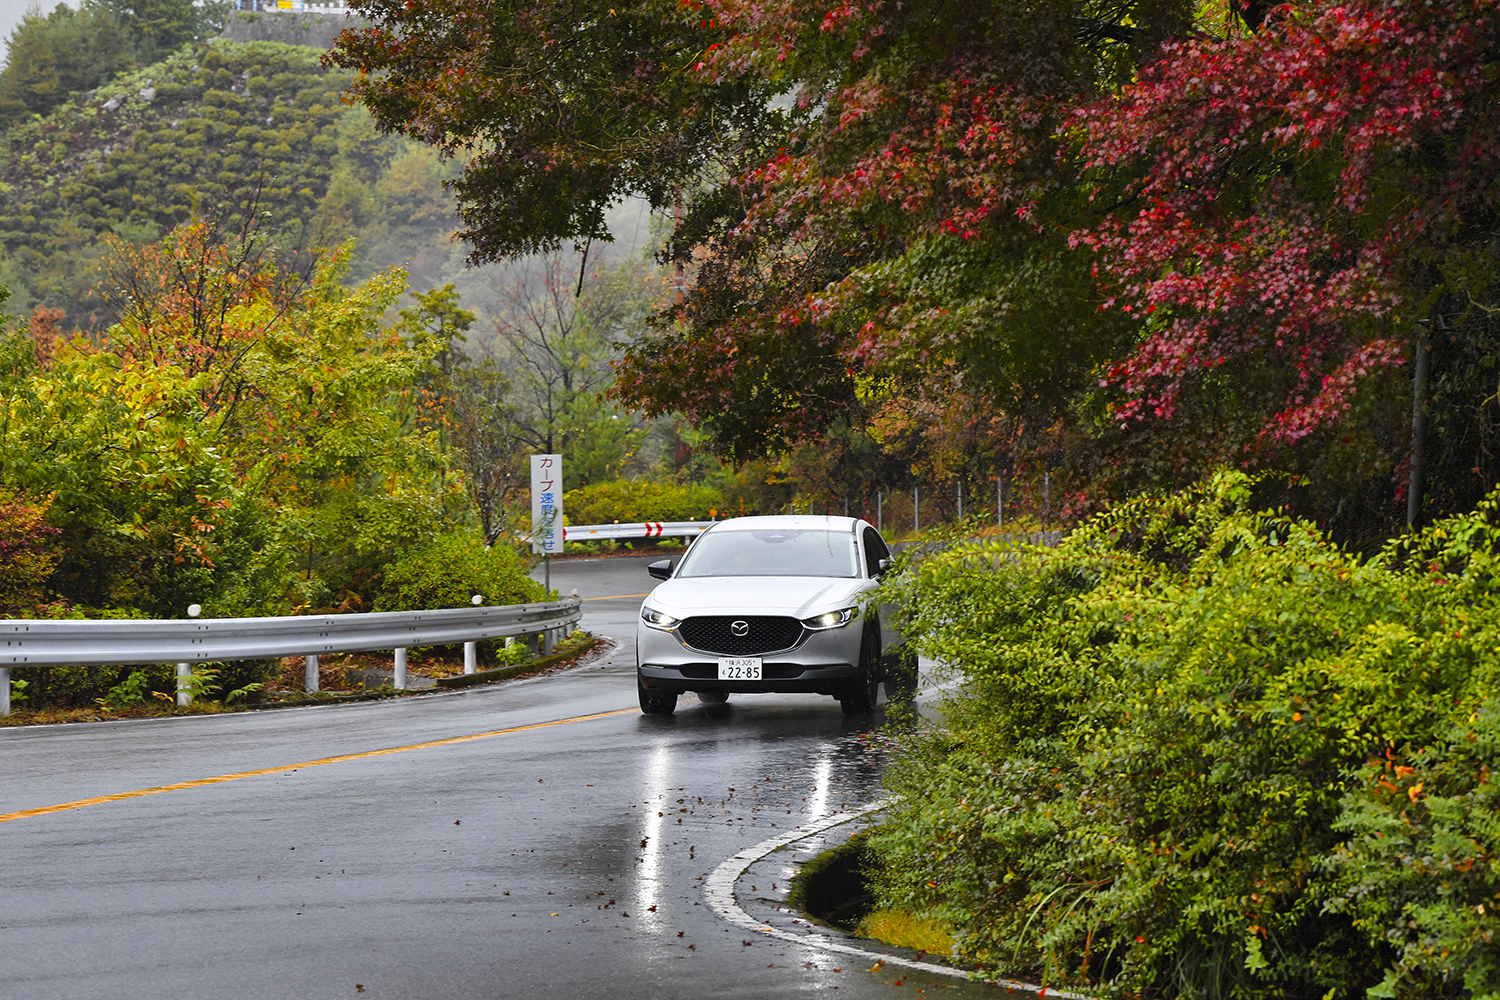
(546, 862)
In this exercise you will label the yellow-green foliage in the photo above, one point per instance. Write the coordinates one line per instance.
(252, 464)
(29, 550)
(632, 501)
(449, 571)
(907, 930)
(1205, 752)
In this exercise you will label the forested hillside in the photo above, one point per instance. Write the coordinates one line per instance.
(220, 126)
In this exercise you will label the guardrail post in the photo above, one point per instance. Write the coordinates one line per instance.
(471, 654)
(311, 675)
(400, 679)
(549, 639)
(4, 691)
(184, 693)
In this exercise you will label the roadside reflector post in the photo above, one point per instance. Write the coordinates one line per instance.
(471, 650)
(184, 672)
(399, 681)
(310, 675)
(4, 691)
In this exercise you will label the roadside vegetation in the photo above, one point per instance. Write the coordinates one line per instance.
(1205, 751)
(1215, 286)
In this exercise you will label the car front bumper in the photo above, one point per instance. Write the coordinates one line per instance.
(821, 663)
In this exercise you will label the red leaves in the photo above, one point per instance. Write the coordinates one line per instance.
(1257, 160)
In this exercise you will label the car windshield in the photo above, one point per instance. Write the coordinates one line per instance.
(772, 552)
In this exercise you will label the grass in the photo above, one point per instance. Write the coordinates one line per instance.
(907, 930)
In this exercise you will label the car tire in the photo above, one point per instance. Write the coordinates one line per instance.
(656, 702)
(712, 697)
(860, 698)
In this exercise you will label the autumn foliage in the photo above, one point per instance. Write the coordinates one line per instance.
(1153, 238)
(29, 550)
(1279, 192)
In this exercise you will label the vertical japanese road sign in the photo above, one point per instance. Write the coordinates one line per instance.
(546, 504)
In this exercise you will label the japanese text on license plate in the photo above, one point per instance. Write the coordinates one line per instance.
(739, 668)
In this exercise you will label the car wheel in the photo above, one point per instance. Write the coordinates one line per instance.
(860, 697)
(656, 702)
(712, 697)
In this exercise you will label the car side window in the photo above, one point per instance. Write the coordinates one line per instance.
(875, 551)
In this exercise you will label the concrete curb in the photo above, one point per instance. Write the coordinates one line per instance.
(719, 894)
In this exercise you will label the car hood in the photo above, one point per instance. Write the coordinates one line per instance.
(798, 596)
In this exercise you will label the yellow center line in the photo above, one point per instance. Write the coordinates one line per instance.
(617, 597)
(200, 782)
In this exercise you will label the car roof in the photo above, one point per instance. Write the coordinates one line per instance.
(804, 522)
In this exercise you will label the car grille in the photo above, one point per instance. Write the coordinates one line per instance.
(763, 634)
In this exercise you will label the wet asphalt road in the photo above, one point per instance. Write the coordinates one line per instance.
(564, 860)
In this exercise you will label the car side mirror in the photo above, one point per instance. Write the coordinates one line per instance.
(883, 566)
(661, 569)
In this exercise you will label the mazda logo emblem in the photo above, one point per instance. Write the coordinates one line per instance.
(740, 629)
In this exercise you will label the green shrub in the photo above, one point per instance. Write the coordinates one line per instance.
(1205, 752)
(634, 500)
(450, 570)
(129, 692)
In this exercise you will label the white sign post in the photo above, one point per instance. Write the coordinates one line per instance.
(546, 509)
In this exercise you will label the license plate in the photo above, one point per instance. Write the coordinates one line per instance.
(739, 668)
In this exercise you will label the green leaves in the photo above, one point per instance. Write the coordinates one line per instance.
(1176, 724)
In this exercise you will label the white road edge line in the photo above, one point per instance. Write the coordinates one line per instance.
(718, 891)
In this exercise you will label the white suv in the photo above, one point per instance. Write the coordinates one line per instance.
(766, 604)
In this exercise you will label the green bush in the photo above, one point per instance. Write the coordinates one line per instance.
(129, 692)
(634, 500)
(450, 570)
(1205, 752)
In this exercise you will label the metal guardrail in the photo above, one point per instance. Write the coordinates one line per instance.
(644, 529)
(42, 642)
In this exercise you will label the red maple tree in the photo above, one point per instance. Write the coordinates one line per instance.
(1278, 197)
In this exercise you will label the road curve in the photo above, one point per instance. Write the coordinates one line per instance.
(538, 838)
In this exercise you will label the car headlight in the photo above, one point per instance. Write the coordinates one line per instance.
(658, 619)
(833, 619)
